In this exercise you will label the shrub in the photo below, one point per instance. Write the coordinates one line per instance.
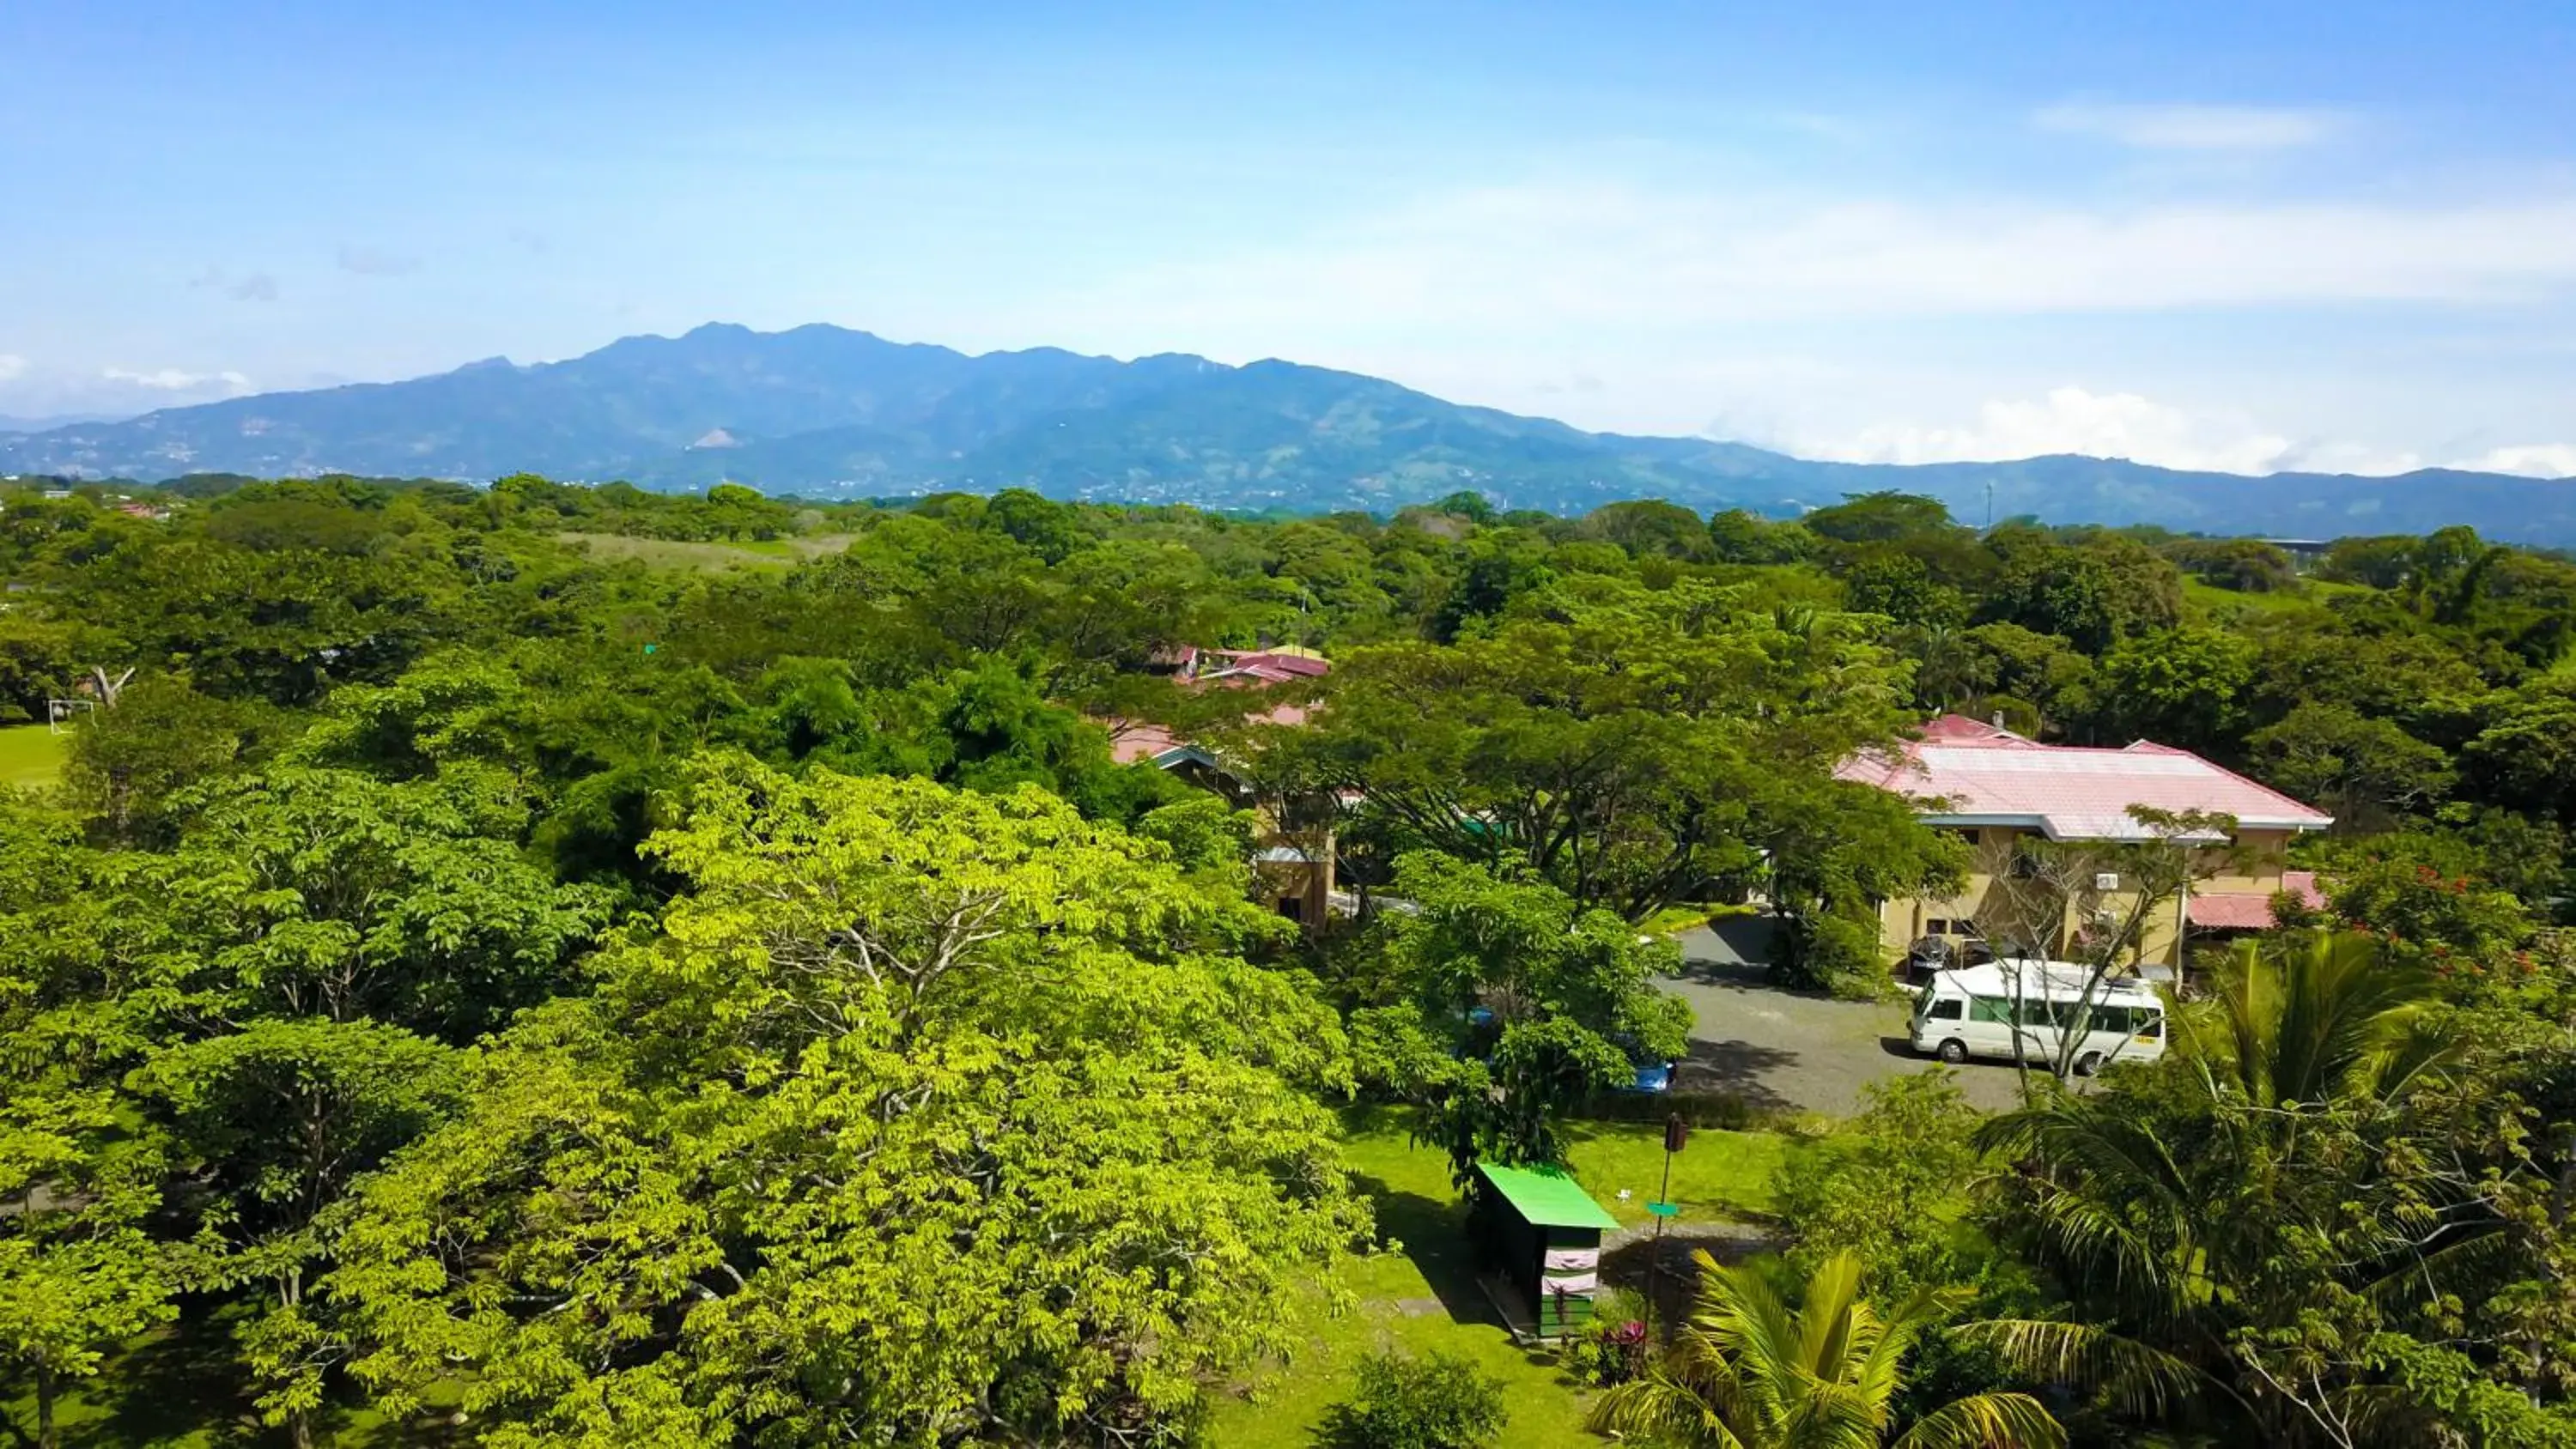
(1892, 1183)
(1611, 1352)
(1825, 951)
(1439, 1401)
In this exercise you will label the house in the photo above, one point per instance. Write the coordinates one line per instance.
(1292, 863)
(1998, 791)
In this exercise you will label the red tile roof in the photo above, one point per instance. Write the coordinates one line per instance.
(2249, 910)
(1965, 772)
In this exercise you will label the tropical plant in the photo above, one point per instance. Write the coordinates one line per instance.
(1749, 1372)
(1438, 1401)
(2228, 1227)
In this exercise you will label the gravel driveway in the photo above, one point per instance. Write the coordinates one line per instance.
(1793, 1051)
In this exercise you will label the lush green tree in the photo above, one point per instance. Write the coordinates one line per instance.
(1750, 1372)
(2246, 565)
(1888, 1189)
(1651, 527)
(1836, 849)
(1899, 586)
(2092, 596)
(2527, 757)
(875, 1140)
(79, 1273)
(40, 660)
(270, 1124)
(1614, 739)
(1468, 504)
(2420, 895)
(2366, 771)
(1738, 537)
(2183, 687)
(308, 892)
(1882, 517)
(1502, 1002)
(131, 762)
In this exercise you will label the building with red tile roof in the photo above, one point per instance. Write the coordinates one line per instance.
(1994, 788)
(1294, 867)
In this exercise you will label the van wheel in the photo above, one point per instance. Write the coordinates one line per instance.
(1954, 1051)
(2087, 1064)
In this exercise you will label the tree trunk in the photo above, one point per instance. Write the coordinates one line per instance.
(46, 1438)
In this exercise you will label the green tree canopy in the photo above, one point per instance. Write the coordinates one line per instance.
(926, 1116)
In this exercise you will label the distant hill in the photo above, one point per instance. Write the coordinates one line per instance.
(824, 410)
(11, 424)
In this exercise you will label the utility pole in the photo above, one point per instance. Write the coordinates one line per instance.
(1990, 505)
(1676, 1134)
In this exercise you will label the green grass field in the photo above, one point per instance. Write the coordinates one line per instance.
(2208, 601)
(31, 755)
(1420, 1295)
(713, 558)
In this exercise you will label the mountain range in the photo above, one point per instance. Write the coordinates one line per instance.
(826, 411)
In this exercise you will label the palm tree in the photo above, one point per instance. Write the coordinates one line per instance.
(2178, 1220)
(2316, 1017)
(1749, 1372)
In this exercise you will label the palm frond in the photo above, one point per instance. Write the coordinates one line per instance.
(2139, 1378)
(1986, 1421)
(1661, 1406)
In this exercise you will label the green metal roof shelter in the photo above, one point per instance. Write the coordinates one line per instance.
(1541, 1231)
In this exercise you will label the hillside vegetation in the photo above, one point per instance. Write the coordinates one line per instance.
(555, 965)
(827, 412)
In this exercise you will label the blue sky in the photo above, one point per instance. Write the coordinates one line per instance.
(2249, 236)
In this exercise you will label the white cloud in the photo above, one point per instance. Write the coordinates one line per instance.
(2193, 128)
(2532, 460)
(171, 379)
(12, 367)
(2072, 420)
(1548, 257)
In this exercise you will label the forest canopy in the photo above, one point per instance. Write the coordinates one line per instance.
(572, 965)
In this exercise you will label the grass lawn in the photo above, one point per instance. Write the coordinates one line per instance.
(1421, 1295)
(2210, 601)
(178, 1388)
(714, 558)
(31, 755)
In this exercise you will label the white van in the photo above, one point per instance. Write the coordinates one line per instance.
(2022, 1008)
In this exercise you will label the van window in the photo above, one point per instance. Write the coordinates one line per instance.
(1945, 1009)
(1936, 927)
(2153, 1028)
(1990, 1008)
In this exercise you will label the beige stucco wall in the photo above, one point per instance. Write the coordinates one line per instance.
(2253, 866)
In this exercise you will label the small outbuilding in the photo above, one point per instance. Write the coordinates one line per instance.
(1540, 1232)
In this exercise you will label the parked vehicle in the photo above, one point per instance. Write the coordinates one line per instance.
(2024, 1008)
(1946, 942)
